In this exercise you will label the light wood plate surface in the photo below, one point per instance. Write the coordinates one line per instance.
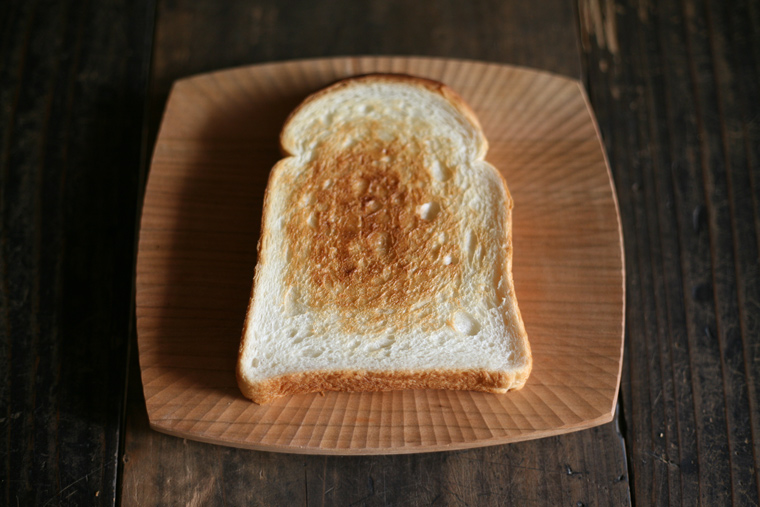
(197, 252)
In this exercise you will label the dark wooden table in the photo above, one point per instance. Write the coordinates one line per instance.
(674, 85)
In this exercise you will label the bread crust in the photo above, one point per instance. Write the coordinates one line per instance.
(269, 389)
(435, 86)
(373, 381)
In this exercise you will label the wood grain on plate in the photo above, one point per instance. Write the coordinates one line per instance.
(197, 252)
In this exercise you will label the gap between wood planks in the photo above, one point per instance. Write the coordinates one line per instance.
(595, 20)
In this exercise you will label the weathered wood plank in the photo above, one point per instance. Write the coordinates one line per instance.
(72, 88)
(677, 100)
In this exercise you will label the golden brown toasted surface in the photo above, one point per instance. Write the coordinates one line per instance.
(367, 228)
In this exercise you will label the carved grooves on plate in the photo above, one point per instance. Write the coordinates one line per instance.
(542, 139)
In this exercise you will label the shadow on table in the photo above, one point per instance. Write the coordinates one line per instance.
(212, 165)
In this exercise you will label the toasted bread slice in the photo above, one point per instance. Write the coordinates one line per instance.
(385, 252)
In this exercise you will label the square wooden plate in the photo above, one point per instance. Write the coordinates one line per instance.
(197, 252)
